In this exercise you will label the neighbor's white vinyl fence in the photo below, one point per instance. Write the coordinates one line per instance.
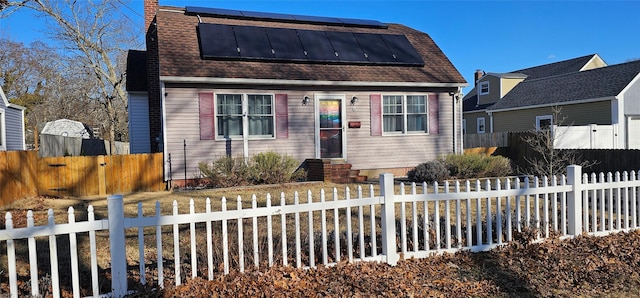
(591, 136)
(426, 220)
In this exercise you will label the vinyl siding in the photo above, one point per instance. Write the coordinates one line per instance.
(393, 151)
(632, 98)
(472, 126)
(363, 151)
(14, 129)
(507, 85)
(494, 90)
(576, 114)
(182, 125)
(139, 141)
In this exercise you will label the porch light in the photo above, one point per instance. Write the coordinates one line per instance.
(305, 100)
(354, 99)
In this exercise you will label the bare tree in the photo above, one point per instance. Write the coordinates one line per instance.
(40, 79)
(546, 160)
(94, 36)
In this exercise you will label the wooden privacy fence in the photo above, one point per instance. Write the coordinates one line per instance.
(24, 174)
(150, 251)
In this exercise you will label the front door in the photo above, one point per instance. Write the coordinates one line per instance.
(330, 128)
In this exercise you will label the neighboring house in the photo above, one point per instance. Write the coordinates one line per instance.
(589, 94)
(11, 125)
(378, 97)
(492, 87)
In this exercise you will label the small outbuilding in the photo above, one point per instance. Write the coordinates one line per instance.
(68, 128)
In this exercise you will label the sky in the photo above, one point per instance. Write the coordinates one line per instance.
(495, 36)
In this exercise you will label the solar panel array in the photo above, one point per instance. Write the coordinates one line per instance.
(243, 14)
(219, 41)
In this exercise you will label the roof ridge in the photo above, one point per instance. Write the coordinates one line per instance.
(557, 62)
(608, 67)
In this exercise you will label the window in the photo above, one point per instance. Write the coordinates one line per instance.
(544, 122)
(404, 114)
(484, 88)
(230, 109)
(260, 115)
(229, 117)
(480, 125)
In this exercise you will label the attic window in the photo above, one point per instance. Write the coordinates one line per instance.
(484, 88)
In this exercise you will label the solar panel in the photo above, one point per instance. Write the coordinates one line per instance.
(286, 44)
(253, 42)
(217, 41)
(362, 23)
(374, 48)
(317, 45)
(212, 11)
(317, 20)
(267, 15)
(347, 47)
(402, 49)
(279, 44)
(243, 14)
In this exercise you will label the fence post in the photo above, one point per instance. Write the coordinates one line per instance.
(574, 200)
(388, 219)
(115, 206)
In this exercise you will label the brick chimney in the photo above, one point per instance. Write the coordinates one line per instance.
(150, 9)
(479, 73)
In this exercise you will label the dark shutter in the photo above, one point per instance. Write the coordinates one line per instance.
(207, 116)
(434, 112)
(375, 101)
(282, 116)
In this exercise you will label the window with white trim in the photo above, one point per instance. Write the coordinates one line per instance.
(259, 111)
(404, 114)
(480, 125)
(544, 122)
(483, 88)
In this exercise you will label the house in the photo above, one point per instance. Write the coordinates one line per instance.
(358, 94)
(589, 94)
(491, 87)
(11, 125)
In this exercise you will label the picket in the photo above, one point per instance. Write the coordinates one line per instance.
(585, 203)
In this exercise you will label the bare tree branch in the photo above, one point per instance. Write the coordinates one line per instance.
(95, 36)
(548, 161)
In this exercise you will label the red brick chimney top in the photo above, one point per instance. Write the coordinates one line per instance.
(150, 9)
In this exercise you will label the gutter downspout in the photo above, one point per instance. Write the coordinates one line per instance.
(490, 121)
(457, 122)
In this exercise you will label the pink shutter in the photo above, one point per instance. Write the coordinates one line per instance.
(282, 116)
(375, 101)
(434, 114)
(207, 116)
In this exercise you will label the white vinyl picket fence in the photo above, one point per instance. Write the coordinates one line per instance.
(426, 220)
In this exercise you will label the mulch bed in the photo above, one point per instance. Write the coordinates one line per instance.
(585, 266)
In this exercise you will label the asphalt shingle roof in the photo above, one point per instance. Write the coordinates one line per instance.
(590, 84)
(180, 55)
(557, 68)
